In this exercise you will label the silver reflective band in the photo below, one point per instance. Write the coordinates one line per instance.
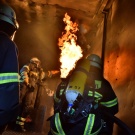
(9, 77)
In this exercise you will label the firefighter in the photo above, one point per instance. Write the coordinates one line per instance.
(79, 99)
(9, 77)
(32, 75)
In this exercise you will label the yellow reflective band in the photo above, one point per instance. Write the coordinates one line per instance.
(56, 99)
(20, 123)
(110, 103)
(53, 132)
(9, 77)
(58, 124)
(96, 133)
(89, 125)
(96, 94)
(98, 84)
(21, 81)
(21, 118)
(90, 93)
(61, 91)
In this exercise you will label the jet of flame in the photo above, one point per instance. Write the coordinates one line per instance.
(70, 51)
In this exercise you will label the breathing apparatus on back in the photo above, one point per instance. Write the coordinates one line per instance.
(76, 86)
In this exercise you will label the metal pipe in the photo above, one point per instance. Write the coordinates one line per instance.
(105, 12)
(104, 38)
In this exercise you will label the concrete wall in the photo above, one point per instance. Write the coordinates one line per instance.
(120, 58)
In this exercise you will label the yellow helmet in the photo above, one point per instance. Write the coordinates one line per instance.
(8, 15)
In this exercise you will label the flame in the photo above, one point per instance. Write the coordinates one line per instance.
(70, 51)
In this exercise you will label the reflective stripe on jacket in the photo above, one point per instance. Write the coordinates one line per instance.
(90, 124)
(88, 127)
(98, 97)
(9, 77)
(110, 103)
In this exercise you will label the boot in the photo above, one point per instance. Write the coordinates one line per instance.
(20, 124)
(19, 128)
(29, 123)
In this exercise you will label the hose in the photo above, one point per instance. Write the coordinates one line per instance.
(119, 123)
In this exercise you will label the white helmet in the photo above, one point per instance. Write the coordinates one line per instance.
(35, 60)
(8, 15)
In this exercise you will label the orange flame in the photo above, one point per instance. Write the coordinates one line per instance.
(70, 51)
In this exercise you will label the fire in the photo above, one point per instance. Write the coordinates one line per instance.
(70, 51)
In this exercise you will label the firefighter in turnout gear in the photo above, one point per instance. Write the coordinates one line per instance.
(80, 99)
(32, 75)
(9, 77)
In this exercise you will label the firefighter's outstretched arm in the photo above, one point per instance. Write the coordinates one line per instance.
(24, 74)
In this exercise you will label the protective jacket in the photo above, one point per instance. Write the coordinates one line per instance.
(9, 79)
(31, 78)
(30, 81)
(89, 120)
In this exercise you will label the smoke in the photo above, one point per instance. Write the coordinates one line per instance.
(40, 28)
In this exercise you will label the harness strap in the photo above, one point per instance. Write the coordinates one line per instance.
(110, 103)
(58, 124)
(90, 124)
(53, 132)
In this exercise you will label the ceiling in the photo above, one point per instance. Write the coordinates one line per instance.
(40, 20)
(91, 8)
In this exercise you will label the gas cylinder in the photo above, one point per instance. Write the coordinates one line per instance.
(77, 82)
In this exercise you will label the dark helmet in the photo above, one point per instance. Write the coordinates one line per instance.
(8, 15)
(95, 60)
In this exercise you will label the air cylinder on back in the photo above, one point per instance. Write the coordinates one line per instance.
(77, 82)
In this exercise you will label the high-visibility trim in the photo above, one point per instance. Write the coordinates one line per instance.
(61, 91)
(21, 118)
(56, 99)
(89, 124)
(98, 84)
(95, 94)
(53, 132)
(24, 77)
(21, 80)
(58, 125)
(96, 133)
(20, 123)
(110, 103)
(9, 77)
